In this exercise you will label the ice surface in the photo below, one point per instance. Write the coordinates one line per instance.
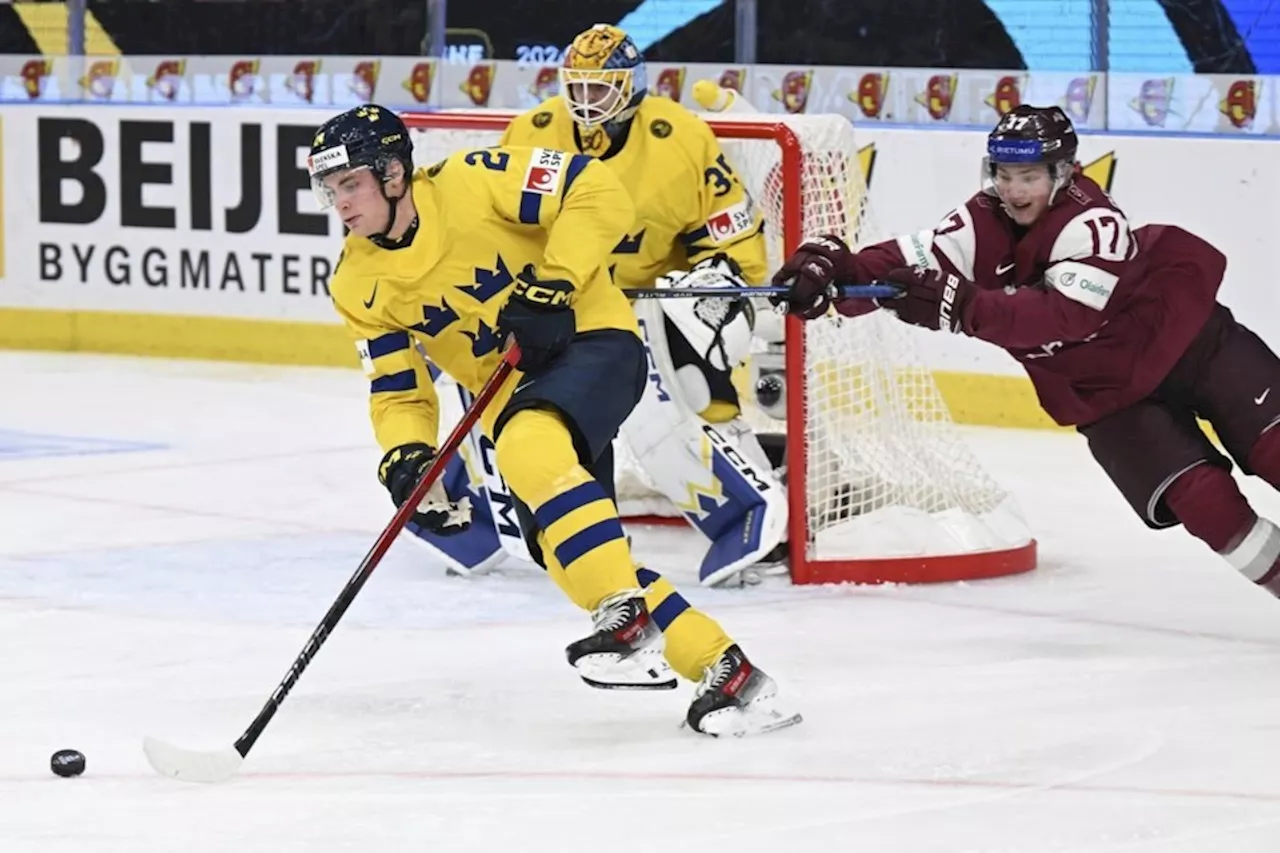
(163, 563)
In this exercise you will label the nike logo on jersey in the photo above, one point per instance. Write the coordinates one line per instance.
(523, 385)
(368, 303)
(1001, 269)
(1259, 400)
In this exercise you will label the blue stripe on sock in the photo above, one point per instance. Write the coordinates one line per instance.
(566, 502)
(585, 541)
(402, 381)
(646, 576)
(666, 612)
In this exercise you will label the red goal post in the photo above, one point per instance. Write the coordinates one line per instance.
(881, 487)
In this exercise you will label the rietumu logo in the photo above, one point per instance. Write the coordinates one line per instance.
(183, 205)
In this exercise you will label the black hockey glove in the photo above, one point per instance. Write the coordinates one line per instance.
(401, 469)
(931, 298)
(539, 316)
(812, 273)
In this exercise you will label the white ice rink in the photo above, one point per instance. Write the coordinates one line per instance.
(170, 533)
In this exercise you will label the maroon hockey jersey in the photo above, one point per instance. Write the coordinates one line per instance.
(1096, 313)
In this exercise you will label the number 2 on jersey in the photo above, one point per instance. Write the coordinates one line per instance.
(493, 160)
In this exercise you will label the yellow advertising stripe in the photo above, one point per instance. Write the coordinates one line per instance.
(169, 336)
(977, 399)
(48, 24)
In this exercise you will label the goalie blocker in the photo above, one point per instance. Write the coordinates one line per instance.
(717, 476)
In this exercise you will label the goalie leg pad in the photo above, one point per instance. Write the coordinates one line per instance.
(738, 506)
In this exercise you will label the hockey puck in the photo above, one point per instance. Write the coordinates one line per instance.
(67, 762)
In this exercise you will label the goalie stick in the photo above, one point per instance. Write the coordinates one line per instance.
(845, 291)
(220, 765)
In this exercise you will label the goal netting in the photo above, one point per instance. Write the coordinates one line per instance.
(882, 486)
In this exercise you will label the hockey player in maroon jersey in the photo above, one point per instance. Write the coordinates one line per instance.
(1119, 330)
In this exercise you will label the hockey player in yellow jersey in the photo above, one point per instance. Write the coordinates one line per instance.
(695, 225)
(513, 242)
(690, 203)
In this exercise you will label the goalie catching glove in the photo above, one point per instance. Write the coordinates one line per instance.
(539, 316)
(400, 471)
(718, 328)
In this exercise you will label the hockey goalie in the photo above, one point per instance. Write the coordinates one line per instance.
(695, 227)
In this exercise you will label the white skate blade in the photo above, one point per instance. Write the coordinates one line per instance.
(644, 670)
(189, 765)
(760, 717)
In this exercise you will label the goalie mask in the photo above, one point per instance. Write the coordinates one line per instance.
(603, 79)
(1030, 135)
(364, 137)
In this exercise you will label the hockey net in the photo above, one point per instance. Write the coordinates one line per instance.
(882, 487)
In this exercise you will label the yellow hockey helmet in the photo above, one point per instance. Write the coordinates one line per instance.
(603, 78)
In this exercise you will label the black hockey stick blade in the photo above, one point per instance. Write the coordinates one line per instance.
(221, 764)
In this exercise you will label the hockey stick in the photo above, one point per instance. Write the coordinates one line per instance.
(220, 765)
(846, 291)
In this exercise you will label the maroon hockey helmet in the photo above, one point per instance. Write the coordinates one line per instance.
(1027, 135)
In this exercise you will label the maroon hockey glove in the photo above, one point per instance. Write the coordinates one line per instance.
(930, 298)
(812, 273)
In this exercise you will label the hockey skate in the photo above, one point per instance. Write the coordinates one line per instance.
(625, 651)
(736, 699)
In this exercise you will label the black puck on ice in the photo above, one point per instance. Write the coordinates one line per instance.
(67, 762)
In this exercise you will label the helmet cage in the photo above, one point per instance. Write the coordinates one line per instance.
(595, 96)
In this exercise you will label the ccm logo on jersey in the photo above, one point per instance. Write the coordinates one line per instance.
(730, 222)
(544, 172)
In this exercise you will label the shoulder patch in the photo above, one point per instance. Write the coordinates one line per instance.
(541, 119)
(546, 168)
(434, 170)
(660, 128)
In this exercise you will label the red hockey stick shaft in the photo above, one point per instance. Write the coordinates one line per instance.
(379, 549)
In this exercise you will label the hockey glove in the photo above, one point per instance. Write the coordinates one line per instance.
(931, 298)
(401, 469)
(812, 273)
(539, 316)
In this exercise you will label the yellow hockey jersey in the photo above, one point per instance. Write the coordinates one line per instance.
(485, 215)
(690, 202)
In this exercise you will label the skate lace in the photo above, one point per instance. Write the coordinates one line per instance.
(715, 675)
(613, 613)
